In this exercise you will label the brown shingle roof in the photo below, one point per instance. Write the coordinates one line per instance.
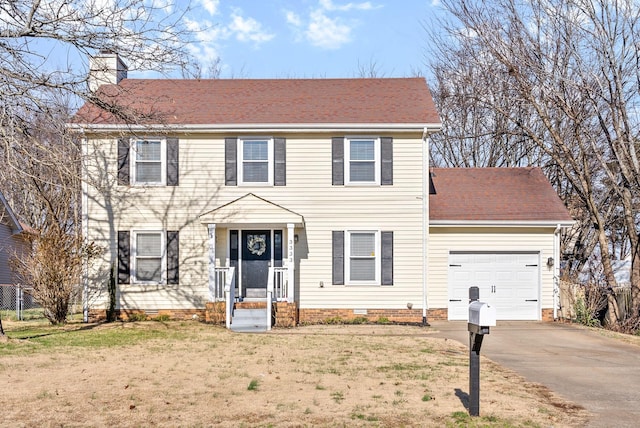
(494, 194)
(267, 101)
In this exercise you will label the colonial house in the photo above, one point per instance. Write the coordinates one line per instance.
(214, 196)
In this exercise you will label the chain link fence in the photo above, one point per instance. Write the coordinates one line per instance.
(16, 303)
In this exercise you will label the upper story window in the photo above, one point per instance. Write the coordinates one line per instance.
(256, 161)
(359, 161)
(363, 160)
(148, 161)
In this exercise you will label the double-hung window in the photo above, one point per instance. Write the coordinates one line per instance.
(148, 257)
(363, 160)
(363, 257)
(256, 161)
(149, 161)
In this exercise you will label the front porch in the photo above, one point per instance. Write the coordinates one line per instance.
(252, 263)
(251, 314)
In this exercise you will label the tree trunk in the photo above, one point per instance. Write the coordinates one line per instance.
(1, 328)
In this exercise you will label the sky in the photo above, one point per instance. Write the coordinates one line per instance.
(310, 38)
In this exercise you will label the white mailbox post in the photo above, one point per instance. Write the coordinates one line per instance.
(481, 318)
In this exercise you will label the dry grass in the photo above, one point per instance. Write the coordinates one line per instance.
(192, 374)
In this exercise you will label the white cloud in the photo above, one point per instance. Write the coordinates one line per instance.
(327, 33)
(323, 30)
(293, 18)
(210, 6)
(248, 30)
(328, 5)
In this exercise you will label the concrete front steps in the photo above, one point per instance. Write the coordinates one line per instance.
(249, 317)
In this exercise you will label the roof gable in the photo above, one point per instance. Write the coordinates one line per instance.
(494, 194)
(251, 209)
(265, 101)
(7, 215)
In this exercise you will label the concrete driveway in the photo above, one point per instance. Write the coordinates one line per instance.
(600, 373)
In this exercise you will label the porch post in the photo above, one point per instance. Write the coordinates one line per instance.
(212, 261)
(290, 260)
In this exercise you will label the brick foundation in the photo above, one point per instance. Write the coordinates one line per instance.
(286, 314)
(127, 315)
(412, 316)
(547, 315)
(215, 312)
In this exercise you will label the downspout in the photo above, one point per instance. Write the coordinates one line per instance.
(425, 221)
(556, 271)
(85, 233)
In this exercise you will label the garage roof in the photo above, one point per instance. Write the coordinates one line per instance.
(460, 195)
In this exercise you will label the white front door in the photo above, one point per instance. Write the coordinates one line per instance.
(508, 281)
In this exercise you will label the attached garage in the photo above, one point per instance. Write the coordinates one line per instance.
(510, 282)
(497, 229)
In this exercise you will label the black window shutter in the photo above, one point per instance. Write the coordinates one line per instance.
(280, 162)
(387, 258)
(386, 161)
(338, 257)
(173, 151)
(230, 161)
(173, 257)
(337, 156)
(123, 162)
(124, 254)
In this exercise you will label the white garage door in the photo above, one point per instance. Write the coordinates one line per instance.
(508, 281)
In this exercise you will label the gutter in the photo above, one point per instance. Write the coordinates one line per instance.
(266, 127)
(502, 223)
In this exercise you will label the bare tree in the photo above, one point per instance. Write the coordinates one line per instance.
(41, 161)
(561, 77)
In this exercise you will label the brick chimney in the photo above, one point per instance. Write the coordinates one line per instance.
(106, 68)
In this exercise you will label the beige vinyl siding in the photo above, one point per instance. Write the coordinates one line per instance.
(443, 240)
(308, 192)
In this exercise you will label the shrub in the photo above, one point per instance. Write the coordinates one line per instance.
(137, 316)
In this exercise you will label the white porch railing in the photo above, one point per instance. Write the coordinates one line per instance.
(224, 290)
(222, 275)
(278, 282)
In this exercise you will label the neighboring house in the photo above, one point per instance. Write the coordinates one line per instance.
(315, 188)
(12, 243)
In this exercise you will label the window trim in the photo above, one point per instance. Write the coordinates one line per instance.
(270, 161)
(163, 161)
(376, 161)
(347, 258)
(134, 257)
